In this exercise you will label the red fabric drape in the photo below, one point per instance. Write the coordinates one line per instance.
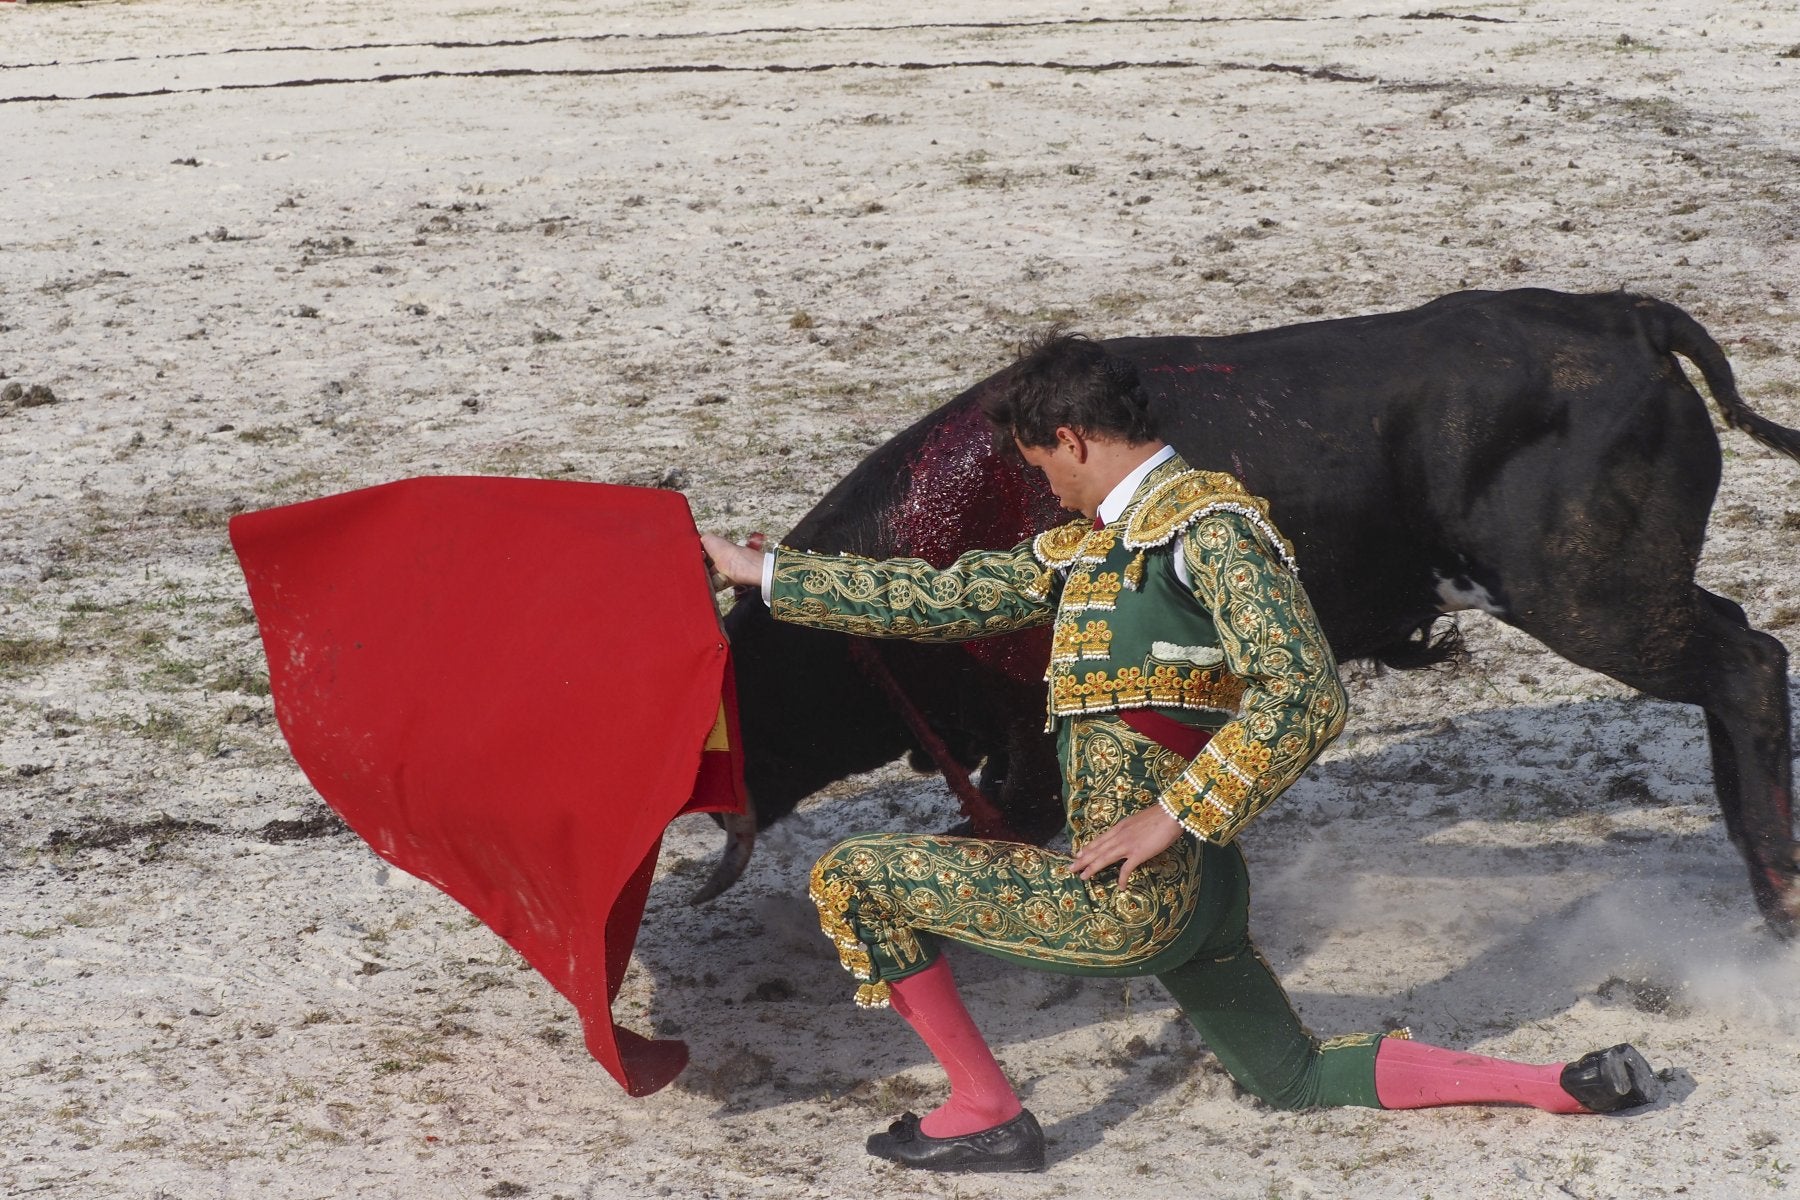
(505, 686)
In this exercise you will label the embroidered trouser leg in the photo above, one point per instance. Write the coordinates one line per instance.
(884, 899)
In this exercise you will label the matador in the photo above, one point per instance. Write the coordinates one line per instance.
(1189, 685)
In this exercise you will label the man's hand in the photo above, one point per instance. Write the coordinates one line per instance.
(1131, 843)
(731, 563)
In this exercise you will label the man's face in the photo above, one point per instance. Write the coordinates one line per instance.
(1067, 469)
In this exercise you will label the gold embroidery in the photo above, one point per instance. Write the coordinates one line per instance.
(985, 592)
(1134, 574)
(1235, 746)
(1174, 505)
(1069, 642)
(1057, 547)
(832, 896)
(1163, 686)
(881, 891)
(1096, 546)
(1170, 504)
(1084, 590)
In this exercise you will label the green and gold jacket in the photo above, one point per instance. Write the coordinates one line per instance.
(1237, 651)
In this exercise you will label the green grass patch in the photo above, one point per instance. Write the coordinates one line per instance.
(19, 655)
(241, 680)
(171, 674)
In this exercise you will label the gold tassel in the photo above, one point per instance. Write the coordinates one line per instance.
(872, 995)
(1134, 574)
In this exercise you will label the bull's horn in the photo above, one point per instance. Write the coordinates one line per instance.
(740, 840)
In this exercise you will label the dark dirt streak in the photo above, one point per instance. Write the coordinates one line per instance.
(697, 35)
(1439, 15)
(107, 835)
(1172, 64)
(320, 824)
(1325, 73)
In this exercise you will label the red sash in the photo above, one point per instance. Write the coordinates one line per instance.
(1165, 731)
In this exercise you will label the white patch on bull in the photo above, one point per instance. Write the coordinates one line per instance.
(1460, 593)
(1200, 656)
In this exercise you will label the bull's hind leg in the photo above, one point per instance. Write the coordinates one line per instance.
(1704, 652)
(1748, 727)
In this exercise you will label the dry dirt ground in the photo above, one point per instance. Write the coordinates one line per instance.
(260, 251)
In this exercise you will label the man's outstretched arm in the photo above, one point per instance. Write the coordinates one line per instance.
(982, 594)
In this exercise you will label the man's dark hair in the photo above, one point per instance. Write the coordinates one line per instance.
(1063, 378)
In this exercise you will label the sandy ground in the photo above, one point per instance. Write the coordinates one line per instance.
(542, 240)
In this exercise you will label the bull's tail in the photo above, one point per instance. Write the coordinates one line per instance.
(1673, 331)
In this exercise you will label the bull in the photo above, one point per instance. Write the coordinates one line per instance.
(1536, 455)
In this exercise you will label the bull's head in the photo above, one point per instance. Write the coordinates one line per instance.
(808, 714)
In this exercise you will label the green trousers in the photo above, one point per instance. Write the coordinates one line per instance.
(887, 901)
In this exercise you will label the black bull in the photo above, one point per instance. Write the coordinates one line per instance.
(1538, 455)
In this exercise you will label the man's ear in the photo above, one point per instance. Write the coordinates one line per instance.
(1072, 441)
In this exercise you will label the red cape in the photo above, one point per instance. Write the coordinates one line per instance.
(506, 687)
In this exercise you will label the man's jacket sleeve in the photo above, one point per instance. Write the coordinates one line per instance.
(982, 594)
(1293, 704)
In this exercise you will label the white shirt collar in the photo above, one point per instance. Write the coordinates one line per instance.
(1120, 496)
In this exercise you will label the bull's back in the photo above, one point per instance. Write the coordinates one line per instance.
(1373, 436)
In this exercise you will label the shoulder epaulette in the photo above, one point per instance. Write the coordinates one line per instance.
(1057, 547)
(1179, 502)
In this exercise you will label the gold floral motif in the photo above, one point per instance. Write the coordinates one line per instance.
(1084, 590)
(1162, 686)
(832, 896)
(1070, 642)
(983, 593)
(1177, 503)
(884, 890)
(1249, 755)
(1057, 547)
(1293, 704)
(1096, 546)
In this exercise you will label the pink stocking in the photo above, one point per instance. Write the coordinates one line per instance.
(1412, 1074)
(980, 1096)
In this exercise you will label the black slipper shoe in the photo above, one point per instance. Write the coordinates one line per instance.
(1017, 1145)
(1611, 1080)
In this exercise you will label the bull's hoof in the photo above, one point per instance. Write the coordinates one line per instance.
(1777, 894)
(1611, 1080)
